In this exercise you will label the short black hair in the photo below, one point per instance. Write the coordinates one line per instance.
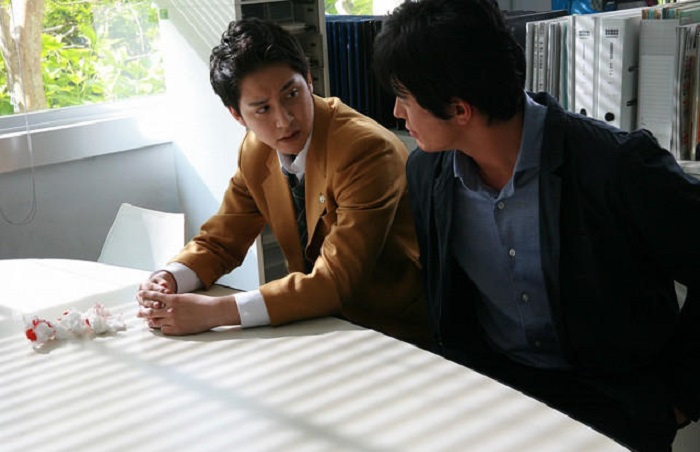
(439, 50)
(246, 46)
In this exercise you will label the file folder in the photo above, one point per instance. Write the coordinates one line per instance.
(657, 74)
(684, 92)
(586, 61)
(659, 71)
(517, 21)
(585, 64)
(618, 64)
(350, 48)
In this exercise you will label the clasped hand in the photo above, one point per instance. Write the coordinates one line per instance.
(181, 314)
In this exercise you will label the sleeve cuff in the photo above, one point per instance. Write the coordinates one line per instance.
(186, 279)
(252, 309)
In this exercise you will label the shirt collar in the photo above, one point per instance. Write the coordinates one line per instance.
(530, 145)
(531, 142)
(295, 164)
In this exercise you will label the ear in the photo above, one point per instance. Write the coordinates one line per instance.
(463, 111)
(310, 81)
(236, 116)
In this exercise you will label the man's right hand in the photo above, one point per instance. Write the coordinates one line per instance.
(162, 282)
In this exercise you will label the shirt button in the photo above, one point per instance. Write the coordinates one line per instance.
(511, 252)
(525, 297)
(538, 344)
(500, 205)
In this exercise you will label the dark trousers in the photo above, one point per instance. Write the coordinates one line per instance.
(608, 406)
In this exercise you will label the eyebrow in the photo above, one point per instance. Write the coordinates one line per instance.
(284, 88)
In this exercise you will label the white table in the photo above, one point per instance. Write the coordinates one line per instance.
(321, 385)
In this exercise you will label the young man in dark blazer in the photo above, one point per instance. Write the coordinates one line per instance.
(550, 242)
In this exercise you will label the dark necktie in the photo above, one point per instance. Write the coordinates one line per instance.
(297, 188)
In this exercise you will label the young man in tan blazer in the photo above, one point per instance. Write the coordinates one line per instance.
(356, 255)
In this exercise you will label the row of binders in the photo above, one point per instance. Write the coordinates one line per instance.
(350, 43)
(350, 46)
(632, 68)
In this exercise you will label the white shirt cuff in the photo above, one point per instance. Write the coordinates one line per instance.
(186, 279)
(252, 309)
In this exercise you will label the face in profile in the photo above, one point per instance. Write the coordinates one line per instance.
(276, 104)
(432, 134)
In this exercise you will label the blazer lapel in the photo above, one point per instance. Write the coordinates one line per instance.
(315, 195)
(315, 174)
(281, 215)
(551, 161)
(443, 204)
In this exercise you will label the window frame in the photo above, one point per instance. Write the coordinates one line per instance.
(73, 133)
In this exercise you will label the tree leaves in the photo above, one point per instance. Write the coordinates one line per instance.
(95, 51)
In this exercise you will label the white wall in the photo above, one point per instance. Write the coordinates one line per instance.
(76, 202)
(206, 139)
(78, 198)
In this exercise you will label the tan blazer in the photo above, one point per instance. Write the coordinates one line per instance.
(361, 234)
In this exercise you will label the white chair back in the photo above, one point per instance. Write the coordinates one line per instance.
(143, 238)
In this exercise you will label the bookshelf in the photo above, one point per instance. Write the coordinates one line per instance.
(306, 20)
(631, 68)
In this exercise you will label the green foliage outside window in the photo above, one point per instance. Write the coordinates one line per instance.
(95, 51)
(354, 7)
(5, 105)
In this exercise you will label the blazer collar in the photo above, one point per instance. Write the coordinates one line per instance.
(316, 160)
(442, 200)
(552, 156)
(551, 166)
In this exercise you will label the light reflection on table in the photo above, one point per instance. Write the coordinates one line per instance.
(321, 385)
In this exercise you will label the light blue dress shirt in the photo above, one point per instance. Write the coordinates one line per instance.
(496, 242)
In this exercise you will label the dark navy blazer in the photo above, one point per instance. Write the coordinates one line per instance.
(619, 222)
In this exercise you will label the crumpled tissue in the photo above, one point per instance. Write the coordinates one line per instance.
(72, 324)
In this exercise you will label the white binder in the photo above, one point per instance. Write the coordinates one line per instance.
(530, 28)
(618, 62)
(541, 46)
(585, 64)
(586, 38)
(546, 55)
(568, 72)
(657, 75)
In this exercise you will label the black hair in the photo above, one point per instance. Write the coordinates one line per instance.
(439, 50)
(246, 46)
